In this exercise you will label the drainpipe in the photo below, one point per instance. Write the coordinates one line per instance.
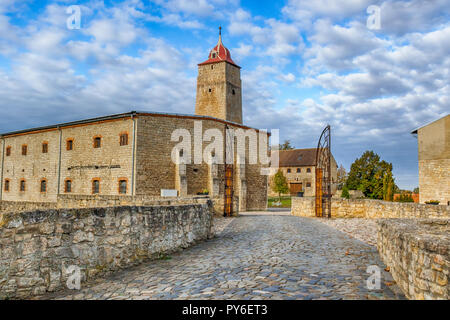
(59, 164)
(133, 118)
(3, 164)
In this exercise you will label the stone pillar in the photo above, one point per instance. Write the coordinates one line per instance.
(181, 178)
(241, 184)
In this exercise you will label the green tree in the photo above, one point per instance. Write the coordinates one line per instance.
(286, 145)
(367, 174)
(388, 186)
(416, 190)
(345, 194)
(279, 184)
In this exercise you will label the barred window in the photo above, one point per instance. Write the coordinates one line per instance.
(68, 186)
(22, 185)
(124, 139)
(45, 147)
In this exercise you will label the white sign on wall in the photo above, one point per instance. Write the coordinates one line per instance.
(169, 193)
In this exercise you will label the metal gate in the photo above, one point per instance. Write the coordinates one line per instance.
(228, 169)
(323, 174)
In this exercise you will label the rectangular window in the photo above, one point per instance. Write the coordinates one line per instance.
(97, 142)
(24, 150)
(308, 184)
(6, 185)
(95, 186)
(123, 186)
(299, 170)
(69, 145)
(68, 186)
(8, 151)
(22, 185)
(45, 147)
(43, 185)
(288, 170)
(124, 139)
(308, 170)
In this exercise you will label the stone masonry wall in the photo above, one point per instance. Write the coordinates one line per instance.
(37, 247)
(417, 252)
(434, 180)
(368, 208)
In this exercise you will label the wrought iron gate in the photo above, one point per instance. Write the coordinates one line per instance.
(228, 169)
(323, 174)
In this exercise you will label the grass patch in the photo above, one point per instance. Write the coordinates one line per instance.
(285, 202)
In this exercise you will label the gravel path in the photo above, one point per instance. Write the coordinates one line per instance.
(258, 256)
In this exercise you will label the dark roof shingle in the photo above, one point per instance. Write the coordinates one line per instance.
(297, 157)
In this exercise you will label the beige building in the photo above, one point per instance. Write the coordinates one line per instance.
(131, 153)
(299, 168)
(434, 161)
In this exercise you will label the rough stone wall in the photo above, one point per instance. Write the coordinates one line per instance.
(82, 164)
(37, 247)
(368, 208)
(215, 98)
(32, 167)
(434, 180)
(156, 170)
(417, 251)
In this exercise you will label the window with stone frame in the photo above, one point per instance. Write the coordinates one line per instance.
(96, 186)
(123, 186)
(6, 188)
(24, 149)
(123, 141)
(288, 170)
(8, 151)
(299, 170)
(68, 186)
(43, 185)
(308, 170)
(69, 144)
(45, 147)
(22, 185)
(308, 184)
(97, 142)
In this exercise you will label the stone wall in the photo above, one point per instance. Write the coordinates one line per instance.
(37, 247)
(368, 208)
(417, 251)
(434, 180)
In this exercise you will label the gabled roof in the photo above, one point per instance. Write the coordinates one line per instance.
(427, 124)
(296, 157)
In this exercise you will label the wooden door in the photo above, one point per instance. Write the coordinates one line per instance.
(295, 187)
(228, 200)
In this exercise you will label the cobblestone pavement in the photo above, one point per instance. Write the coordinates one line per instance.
(257, 256)
(359, 228)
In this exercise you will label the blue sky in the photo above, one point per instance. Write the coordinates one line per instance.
(304, 64)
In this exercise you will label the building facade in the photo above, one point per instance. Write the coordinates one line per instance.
(434, 161)
(299, 168)
(132, 153)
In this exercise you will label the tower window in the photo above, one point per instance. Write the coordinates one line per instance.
(212, 67)
(24, 150)
(7, 185)
(22, 185)
(43, 185)
(123, 139)
(97, 142)
(95, 186)
(210, 90)
(234, 92)
(68, 186)
(122, 186)
(45, 147)
(213, 55)
(8, 151)
(69, 144)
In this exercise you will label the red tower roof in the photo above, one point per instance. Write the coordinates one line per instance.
(219, 53)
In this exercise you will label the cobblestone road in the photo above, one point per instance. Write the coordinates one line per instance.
(257, 256)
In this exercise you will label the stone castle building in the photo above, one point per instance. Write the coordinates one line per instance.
(299, 168)
(434, 161)
(131, 153)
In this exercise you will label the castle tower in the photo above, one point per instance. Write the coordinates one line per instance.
(219, 92)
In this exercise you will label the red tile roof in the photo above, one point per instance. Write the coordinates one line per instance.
(297, 157)
(219, 53)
